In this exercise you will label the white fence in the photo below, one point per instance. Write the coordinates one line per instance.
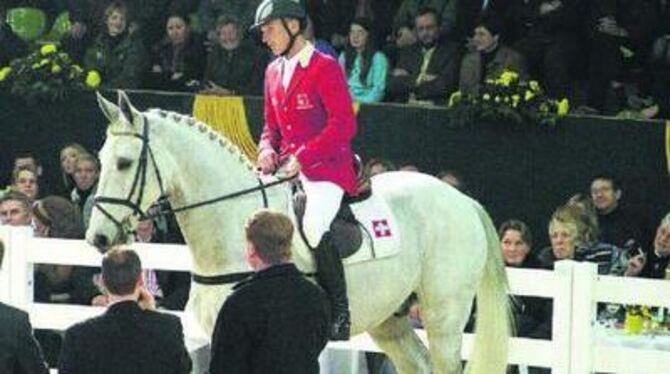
(575, 288)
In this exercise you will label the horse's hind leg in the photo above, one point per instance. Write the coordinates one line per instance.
(397, 339)
(444, 327)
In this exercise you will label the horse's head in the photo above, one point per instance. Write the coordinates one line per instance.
(129, 178)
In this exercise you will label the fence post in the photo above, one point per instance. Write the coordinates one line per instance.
(584, 278)
(562, 317)
(20, 271)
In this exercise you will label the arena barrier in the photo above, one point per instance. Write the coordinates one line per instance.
(575, 287)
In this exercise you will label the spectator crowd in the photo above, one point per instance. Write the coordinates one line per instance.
(606, 56)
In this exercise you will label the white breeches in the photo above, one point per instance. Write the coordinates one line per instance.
(323, 202)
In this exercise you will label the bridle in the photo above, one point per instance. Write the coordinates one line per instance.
(139, 183)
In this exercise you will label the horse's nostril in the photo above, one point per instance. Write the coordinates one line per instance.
(100, 241)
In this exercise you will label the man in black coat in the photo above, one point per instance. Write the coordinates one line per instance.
(277, 321)
(19, 351)
(131, 337)
(427, 71)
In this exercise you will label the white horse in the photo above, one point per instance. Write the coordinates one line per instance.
(449, 251)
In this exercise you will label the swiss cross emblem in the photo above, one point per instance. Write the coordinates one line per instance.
(381, 228)
(302, 101)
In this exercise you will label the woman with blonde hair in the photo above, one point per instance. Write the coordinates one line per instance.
(68, 162)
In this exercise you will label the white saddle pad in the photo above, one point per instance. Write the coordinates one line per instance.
(381, 237)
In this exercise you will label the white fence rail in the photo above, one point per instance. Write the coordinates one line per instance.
(574, 287)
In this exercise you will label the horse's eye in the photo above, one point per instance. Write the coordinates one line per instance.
(123, 164)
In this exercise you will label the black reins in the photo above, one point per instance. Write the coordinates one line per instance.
(139, 183)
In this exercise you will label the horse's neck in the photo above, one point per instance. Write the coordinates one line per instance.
(207, 168)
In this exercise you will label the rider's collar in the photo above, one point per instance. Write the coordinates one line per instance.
(303, 56)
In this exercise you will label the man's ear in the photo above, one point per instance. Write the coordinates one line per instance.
(617, 194)
(139, 283)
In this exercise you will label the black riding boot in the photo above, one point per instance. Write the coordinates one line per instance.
(330, 275)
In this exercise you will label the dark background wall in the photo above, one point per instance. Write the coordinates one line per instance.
(515, 172)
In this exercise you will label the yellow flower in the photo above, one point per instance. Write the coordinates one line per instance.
(515, 100)
(486, 97)
(497, 99)
(454, 98)
(529, 95)
(48, 49)
(4, 72)
(507, 77)
(93, 79)
(77, 68)
(56, 69)
(534, 86)
(44, 62)
(563, 107)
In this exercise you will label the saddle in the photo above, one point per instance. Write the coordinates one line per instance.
(345, 230)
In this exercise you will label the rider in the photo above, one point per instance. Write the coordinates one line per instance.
(309, 122)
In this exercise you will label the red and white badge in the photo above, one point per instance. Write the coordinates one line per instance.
(381, 228)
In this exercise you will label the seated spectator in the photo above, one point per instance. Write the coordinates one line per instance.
(211, 10)
(68, 163)
(24, 180)
(409, 167)
(365, 66)
(426, 72)
(20, 351)
(27, 160)
(619, 225)
(454, 179)
(130, 337)
(657, 264)
(235, 66)
(11, 46)
(179, 59)
(170, 289)
(377, 166)
(621, 33)
(516, 243)
(320, 44)
(15, 209)
(56, 217)
(87, 171)
(546, 33)
(571, 238)
(489, 59)
(409, 10)
(660, 65)
(117, 54)
(85, 17)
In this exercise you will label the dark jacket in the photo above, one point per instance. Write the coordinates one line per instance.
(276, 322)
(655, 266)
(529, 312)
(240, 70)
(528, 22)
(126, 339)
(471, 68)
(11, 46)
(19, 351)
(190, 62)
(444, 63)
(120, 62)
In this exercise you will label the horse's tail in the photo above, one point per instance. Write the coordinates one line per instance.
(494, 322)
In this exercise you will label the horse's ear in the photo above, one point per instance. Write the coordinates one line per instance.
(110, 110)
(127, 109)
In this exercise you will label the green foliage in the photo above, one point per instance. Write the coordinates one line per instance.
(507, 99)
(45, 74)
